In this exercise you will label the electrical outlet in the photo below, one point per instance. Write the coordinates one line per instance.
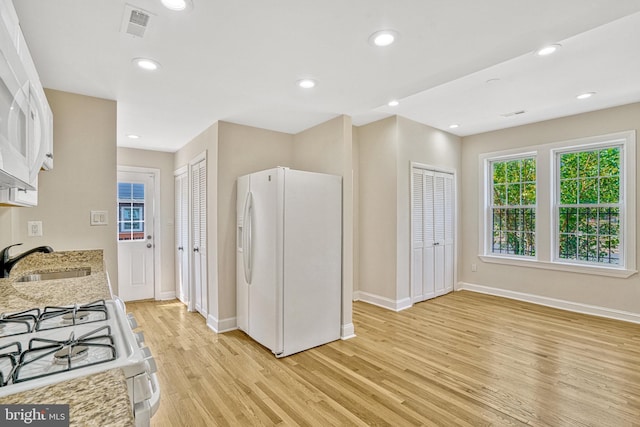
(474, 267)
(34, 228)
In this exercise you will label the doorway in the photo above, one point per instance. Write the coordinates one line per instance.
(137, 233)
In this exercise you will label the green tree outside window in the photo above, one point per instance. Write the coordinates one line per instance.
(589, 206)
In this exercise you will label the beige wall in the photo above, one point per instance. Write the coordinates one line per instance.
(207, 142)
(386, 150)
(6, 232)
(241, 150)
(377, 200)
(612, 293)
(164, 162)
(83, 179)
(422, 144)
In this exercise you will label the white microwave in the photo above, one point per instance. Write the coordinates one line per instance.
(17, 117)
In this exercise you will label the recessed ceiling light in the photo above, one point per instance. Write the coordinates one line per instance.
(393, 103)
(585, 95)
(146, 64)
(306, 83)
(177, 4)
(132, 136)
(548, 50)
(454, 126)
(383, 38)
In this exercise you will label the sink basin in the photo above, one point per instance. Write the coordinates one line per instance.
(53, 275)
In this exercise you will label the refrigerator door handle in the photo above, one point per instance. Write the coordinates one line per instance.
(247, 236)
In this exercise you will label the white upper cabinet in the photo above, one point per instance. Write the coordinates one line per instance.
(26, 131)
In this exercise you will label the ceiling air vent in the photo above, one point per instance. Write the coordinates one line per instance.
(135, 21)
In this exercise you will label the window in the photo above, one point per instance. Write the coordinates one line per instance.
(512, 206)
(130, 211)
(589, 205)
(568, 206)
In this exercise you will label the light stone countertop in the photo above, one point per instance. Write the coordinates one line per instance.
(100, 399)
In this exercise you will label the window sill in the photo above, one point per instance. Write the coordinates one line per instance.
(557, 266)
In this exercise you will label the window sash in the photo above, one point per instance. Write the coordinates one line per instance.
(589, 241)
(511, 218)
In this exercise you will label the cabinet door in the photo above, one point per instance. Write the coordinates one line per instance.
(17, 197)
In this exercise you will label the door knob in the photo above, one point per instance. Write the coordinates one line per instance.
(149, 245)
(196, 250)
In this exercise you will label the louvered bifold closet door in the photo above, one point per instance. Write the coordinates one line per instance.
(432, 233)
(199, 235)
(417, 235)
(182, 235)
(449, 232)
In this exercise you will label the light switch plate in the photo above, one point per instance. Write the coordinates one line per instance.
(99, 218)
(34, 228)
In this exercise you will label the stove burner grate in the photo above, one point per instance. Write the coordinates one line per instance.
(18, 323)
(60, 317)
(47, 357)
(8, 361)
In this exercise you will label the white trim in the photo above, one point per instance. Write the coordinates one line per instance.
(157, 223)
(167, 295)
(181, 170)
(223, 325)
(576, 307)
(384, 302)
(559, 266)
(347, 331)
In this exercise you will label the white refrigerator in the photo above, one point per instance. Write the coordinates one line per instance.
(289, 258)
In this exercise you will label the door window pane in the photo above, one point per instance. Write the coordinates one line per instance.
(131, 208)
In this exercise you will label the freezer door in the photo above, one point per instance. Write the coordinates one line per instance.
(242, 287)
(263, 250)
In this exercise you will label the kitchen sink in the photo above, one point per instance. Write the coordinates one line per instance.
(53, 275)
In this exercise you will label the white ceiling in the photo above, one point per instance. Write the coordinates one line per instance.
(239, 61)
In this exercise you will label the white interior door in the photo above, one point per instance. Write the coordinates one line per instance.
(432, 234)
(198, 294)
(181, 186)
(136, 235)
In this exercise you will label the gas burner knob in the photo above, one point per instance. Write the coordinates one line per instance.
(132, 321)
(141, 388)
(139, 338)
(152, 368)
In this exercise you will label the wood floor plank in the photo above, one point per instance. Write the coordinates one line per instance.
(464, 359)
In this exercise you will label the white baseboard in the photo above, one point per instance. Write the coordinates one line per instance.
(553, 302)
(384, 302)
(347, 331)
(223, 325)
(167, 295)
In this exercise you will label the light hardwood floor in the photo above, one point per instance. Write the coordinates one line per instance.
(461, 359)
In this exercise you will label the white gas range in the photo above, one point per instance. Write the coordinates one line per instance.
(43, 346)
